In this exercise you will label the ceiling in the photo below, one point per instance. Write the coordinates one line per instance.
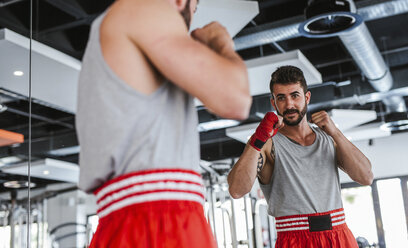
(63, 25)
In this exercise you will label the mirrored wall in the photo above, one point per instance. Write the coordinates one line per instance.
(42, 43)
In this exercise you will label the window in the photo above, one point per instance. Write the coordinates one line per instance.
(392, 212)
(360, 217)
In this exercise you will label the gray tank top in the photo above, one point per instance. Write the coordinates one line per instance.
(305, 178)
(121, 130)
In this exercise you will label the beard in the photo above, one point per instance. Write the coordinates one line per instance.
(186, 14)
(290, 111)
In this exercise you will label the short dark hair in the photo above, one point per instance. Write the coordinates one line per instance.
(288, 75)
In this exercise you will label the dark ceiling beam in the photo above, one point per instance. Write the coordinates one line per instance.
(272, 3)
(10, 21)
(5, 3)
(70, 7)
(59, 41)
(40, 147)
(222, 150)
(39, 125)
(84, 21)
(400, 55)
(40, 117)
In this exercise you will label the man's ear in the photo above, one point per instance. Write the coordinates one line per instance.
(307, 96)
(273, 103)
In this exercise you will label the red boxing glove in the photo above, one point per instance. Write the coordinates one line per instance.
(264, 130)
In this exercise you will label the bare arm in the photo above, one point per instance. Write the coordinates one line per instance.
(256, 160)
(250, 165)
(349, 158)
(207, 66)
(352, 161)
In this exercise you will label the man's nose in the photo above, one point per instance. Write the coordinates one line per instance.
(289, 103)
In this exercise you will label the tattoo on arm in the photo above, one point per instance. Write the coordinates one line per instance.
(260, 163)
(273, 152)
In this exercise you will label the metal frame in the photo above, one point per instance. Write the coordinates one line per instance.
(404, 188)
(377, 206)
(378, 217)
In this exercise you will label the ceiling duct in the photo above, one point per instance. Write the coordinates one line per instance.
(343, 20)
(328, 18)
(288, 29)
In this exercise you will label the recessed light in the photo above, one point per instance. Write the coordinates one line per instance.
(46, 172)
(2, 108)
(217, 124)
(395, 125)
(9, 160)
(18, 184)
(18, 73)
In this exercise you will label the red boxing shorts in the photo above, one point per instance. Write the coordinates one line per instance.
(328, 230)
(152, 209)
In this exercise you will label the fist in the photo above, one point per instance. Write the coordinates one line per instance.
(324, 122)
(267, 128)
(213, 35)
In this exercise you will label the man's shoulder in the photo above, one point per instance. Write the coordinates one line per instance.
(141, 19)
(131, 10)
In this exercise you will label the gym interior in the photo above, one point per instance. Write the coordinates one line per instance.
(355, 60)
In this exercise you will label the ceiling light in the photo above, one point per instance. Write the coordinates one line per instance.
(9, 160)
(242, 133)
(2, 108)
(65, 151)
(218, 124)
(346, 119)
(395, 125)
(18, 184)
(18, 73)
(366, 132)
(259, 70)
(233, 15)
(329, 18)
(57, 170)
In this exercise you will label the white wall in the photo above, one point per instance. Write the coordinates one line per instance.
(71, 206)
(388, 156)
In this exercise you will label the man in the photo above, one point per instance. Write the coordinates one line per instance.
(297, 168)
(137, 123)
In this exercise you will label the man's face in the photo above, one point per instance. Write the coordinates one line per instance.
(290, 102)
(188, 11)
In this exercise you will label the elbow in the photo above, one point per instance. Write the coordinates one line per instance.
(238, 108)
(239, 105)
(234, 100)
(367, 179)
(234, 194)
(245, 108)
(234, 190)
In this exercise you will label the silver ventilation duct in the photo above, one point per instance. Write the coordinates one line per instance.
(365, 53)
(264, 34)
(328, 18)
